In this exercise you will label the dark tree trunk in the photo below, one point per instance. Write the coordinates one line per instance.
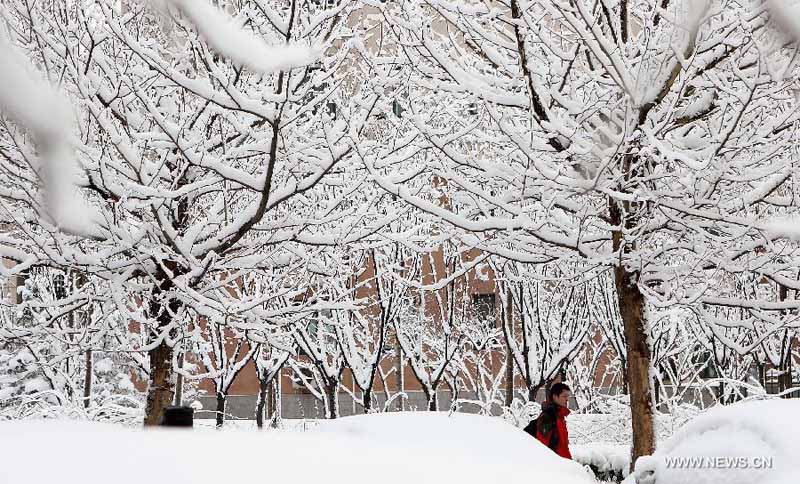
(533, 390)
(162, 307)
(87, 380)
(625, 389)
(401, 405)
(332, 400)
(366, 399)
(762, 375)
(656, 393)
(274, 400)
(161, 389)
(221, 399)
(632, 307)
(179, 382)
(433, 400)
(785, 368)
(267, 404)
(785, 382)
(261, 402)
(509, 355)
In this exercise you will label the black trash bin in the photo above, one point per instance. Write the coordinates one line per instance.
(178, 416)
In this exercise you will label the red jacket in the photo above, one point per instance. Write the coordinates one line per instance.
(562, 446)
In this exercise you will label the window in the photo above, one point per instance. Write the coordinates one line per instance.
(397, 108)
(709, 369)
(483, 308)
(314, 321)
(59, 286)
(325, 3)
(668, 370)
(303, 373)
(19, 287)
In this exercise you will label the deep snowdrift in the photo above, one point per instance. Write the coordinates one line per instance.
(488, 441)
(412, 448)
(748, 443)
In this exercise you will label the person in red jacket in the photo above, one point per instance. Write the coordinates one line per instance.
(551, 426)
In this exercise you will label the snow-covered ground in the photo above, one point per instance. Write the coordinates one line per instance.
(747, 443)
(286, 425)
(408, 448)
(490, 439)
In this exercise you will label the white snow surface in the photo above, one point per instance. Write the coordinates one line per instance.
(470, 445)
(750, 431)
(416, 448)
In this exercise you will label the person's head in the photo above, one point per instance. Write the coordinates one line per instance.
(559, 394)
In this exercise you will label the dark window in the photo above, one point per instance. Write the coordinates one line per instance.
(314, 322)
(483, 308)
(307, 374)
(59, 286)
(325, 3)
(709, 368)
(397, 108)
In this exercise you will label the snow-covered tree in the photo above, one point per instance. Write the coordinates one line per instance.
(202, 151)
(653, 139)
(552, 314)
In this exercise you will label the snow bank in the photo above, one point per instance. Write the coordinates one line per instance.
(464, 441)
(414, 448)
(747, 443)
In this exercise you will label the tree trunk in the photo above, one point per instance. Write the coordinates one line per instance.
(631, 306)
(625, 389)
(509, 354)
(274, 396)
(366, 399)
(261, 402)
(87, 380)
(785, 369)
(762, 375)
(433, 400)
(161, 389)
(532, 391)
(785, 377)
(401, 404)
(332, 400)
(221, 398)
(656, 393)
(179, 382)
